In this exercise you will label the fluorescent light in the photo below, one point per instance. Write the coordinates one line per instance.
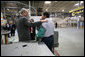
(7, 9)
(47, 2)
(76, 4)
(79, 16)
(62, 10)
(81, 2)
(46, 9)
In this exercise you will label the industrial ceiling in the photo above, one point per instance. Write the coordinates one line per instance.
(54, 6)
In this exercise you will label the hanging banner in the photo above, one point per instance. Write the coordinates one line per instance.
(77, 11)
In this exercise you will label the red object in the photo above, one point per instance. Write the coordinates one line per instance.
(6, 39)
(56, 52)
(31, 29)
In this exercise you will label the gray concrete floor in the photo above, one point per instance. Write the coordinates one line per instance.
(71, 42)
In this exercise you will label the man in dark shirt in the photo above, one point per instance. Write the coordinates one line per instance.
(23, 25)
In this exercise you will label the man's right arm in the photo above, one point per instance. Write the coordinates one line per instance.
(28, 24)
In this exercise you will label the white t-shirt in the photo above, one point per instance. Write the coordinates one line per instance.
(49, 26)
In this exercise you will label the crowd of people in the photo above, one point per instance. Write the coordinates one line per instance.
(10, 26)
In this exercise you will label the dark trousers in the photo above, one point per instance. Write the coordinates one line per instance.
(8, 35)
(13, 33)
(49, 41)
(32, 36)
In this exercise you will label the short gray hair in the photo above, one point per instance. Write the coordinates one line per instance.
(22, 10)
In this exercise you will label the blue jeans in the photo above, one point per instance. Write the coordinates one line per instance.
(49, 41)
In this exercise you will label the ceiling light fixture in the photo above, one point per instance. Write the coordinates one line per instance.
(7, 9)
(76, 4)
(81, 2)
(79, 16)
(47, 2)
(46, 9)
(62, 10)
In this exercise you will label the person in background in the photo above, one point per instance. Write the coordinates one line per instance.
(12, 28)
(32, 29)
(5, 27)
(49, 34)
(56, 24)
(8, 28)
(23, 25)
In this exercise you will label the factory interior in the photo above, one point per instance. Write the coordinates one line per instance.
(68, 19)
